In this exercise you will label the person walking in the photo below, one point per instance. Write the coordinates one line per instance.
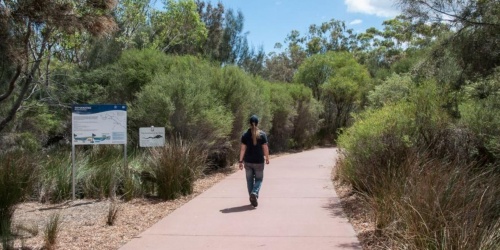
(254, 149)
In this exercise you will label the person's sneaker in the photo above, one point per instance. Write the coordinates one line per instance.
(253, 200)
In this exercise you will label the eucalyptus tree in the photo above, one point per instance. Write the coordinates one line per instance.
(28, 31)
(178, 29)
(339, 82)
(213, 18)
(475, 43)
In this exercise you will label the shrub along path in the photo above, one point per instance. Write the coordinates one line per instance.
(298, 209)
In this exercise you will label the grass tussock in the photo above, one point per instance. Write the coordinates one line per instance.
(437, 205)
(176, 166)
(17, 174)
(51, 231)
(112, 213)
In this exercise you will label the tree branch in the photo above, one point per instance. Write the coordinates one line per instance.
(38, 59)
(462, 19)
(11, 84)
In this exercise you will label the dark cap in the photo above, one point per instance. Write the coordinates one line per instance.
(254, 119)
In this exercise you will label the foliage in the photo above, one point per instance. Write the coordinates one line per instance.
(176, 166)
(242, 95)
(339, 82)
(420, 174)
(473, 44)
(52, 230)
(427, 203)
(55, 176)
(183, 101)
(481, 113)
(131, 72)
(394, 89)
(39, 23)
(100, 171)
(295, 117)
(381, 139)
(178, 29)
(17, 174)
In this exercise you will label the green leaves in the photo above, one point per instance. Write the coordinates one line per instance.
(179, 25)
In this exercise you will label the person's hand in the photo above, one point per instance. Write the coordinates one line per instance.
(241, 166)
(267, 161)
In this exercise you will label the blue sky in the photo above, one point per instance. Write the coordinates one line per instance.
(270, 21)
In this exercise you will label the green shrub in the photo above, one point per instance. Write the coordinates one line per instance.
(481, 114)
(243, 96)
(176, 166)
(377, 143)
(295, 117)
(133, 71)
(415, 168)
(392, 90)
(186, 104)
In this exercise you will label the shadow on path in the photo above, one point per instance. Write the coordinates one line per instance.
(237, 209)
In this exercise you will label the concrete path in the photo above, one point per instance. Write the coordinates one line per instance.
(298, 209)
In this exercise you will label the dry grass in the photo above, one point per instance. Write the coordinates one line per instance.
(84, 221)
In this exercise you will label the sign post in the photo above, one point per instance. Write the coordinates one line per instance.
(94, 124)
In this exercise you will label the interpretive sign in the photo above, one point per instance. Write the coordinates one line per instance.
(99, 124)
(152, 137)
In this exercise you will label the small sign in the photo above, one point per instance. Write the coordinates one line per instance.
(152, 137)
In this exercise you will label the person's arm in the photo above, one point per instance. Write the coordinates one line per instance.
(266, 152)
(243, 148)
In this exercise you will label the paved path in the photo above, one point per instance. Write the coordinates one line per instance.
(298, 209)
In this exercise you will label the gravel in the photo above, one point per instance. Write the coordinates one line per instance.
(84, 222)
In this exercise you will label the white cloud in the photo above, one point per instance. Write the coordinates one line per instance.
(381, 8)
(357, 21)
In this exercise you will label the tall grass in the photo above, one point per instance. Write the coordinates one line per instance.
(17, 173)
(112, 213)
(100, 170)
(421, 175)
(176, 166)
(51, 231)
(437, 205)
(55, 177)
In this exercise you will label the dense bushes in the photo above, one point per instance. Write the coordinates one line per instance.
(295, 117)
(421, 173)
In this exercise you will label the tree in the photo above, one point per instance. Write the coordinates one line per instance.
(213, 18)
(132, 18)
(179, 29)
(27, 33)
(340, 82)
(477, 26)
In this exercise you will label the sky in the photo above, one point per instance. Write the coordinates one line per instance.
(270, 21)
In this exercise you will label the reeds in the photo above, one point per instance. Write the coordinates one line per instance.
(176, 166)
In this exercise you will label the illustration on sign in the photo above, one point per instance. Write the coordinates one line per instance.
(92, 139)
(99, 124)
(152, 137)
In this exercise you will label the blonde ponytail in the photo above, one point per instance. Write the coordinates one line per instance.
(255, 133)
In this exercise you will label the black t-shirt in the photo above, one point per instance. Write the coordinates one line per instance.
(254, 153)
